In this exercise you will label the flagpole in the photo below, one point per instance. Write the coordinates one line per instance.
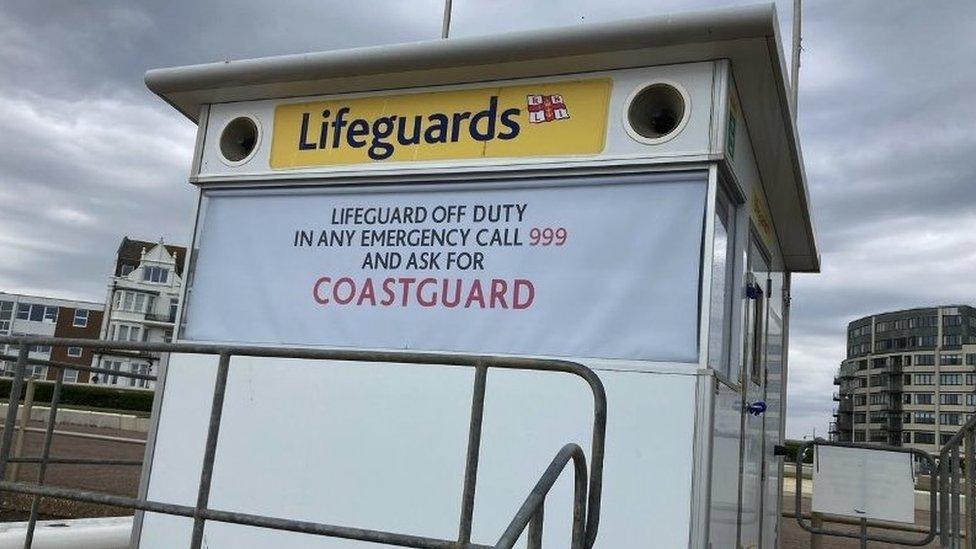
(446, 27)
(797, 46)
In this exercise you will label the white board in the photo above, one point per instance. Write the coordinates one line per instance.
(603, 267)
(862, 483)
(383, 446)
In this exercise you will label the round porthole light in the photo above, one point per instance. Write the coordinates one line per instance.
(239, 140)
(657, 112)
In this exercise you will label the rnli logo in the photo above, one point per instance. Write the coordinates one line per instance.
(547, 108)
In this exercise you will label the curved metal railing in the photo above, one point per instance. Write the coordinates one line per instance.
(533, 510)
(957, 489)
(862, 534)
(587, 493)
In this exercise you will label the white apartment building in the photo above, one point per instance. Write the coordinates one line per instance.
(909, 378)
(141, 303)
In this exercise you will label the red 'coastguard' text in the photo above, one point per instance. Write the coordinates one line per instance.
(450, 293)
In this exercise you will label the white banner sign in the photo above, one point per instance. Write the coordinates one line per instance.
(864, 483)
(603, 267)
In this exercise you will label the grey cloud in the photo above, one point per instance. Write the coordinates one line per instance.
(97, 47)
(886, 120)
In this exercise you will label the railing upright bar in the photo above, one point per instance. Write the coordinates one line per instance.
(579, 503)
(954, 494)
(6, 441)
(967, 488)
(473, 454)
(970, 480)
(210, 450)
(45, 455)
(534, 540)
(944, 519)
(25, 418)
(13, 402)
(598, 443)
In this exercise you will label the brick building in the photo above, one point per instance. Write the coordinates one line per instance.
(50, 316)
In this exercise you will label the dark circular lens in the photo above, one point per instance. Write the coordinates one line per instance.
(656, 111)
(238, 139)
(663, 120)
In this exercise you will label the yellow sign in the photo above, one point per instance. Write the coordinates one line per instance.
(760, 216)
(556, 118)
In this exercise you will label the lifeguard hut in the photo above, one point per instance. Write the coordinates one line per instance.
(628, 198)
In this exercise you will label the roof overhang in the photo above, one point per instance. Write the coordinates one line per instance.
(747, 36)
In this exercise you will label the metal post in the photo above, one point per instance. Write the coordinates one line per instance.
(970, 489)
(944, 473)
(534, 540)
(795, 68)
(25, 418)
(8, 425)
(474, 452)
(45, 454)
(956, 470)
(816, 520)
(446, 25)
(864, 533)
(210, 451)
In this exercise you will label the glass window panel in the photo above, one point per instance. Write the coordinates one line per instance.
(722, 270)
(37, 313)
(81, 318)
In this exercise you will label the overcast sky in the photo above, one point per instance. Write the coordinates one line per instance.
(887, 123)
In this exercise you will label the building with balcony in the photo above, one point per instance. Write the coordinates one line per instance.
(141, 304)
(909, 378)
(49, 317)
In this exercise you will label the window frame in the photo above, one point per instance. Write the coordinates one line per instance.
(725, 216)
(74, 321)
(155, 274)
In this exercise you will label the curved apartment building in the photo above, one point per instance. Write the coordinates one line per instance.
(909, 378)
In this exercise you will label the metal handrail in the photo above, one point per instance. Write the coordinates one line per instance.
(82, 367)
(801, 452)
(530, 514)
(587, 496)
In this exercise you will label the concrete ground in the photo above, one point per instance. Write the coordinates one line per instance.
(794, 537)
(119, 480)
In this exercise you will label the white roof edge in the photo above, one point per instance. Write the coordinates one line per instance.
(64, 301)
(809, 262)
(658, 31)
(187, 88)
